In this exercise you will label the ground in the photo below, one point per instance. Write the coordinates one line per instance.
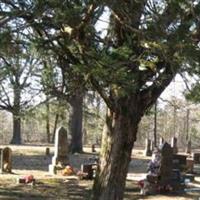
(32, 160)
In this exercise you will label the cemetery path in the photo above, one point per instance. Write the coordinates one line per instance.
(32, 160)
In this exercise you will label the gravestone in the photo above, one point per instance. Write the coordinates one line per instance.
(188, 147)
(190, 165)
(93, 148)
(174, 145)
(47, 151)
(161, 141)
(196, 157)
(166, 166)
(88, 171)
(6, 160)
(61, 151)
(152, 146)
(179, 161)
(148, 150)
(165, 177)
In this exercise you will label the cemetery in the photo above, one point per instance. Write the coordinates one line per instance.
(100, 100)
(29, 172)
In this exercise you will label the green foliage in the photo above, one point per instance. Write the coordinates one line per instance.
(146, 44)
(194, 93)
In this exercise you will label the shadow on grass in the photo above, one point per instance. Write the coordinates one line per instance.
(132, 192)
(46, 189)
(31, 162)
(175, 195)
(16, 193)
(138, 165)
(41, 162)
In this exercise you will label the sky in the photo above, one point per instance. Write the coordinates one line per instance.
(175, 89)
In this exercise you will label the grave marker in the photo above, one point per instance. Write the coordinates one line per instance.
(166, 164)
(6, 160)
(174, 145)
(190, 165)
(179, 161)
(196, 157)
(147, 151)
(161, 141)
(61, 151)
(47, 151)
(189, 147)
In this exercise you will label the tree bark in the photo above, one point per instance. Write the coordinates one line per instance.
(48, 122)
(155, 124)
(16, 139)
(55, 127)
(75, 123)
(119, 136)
(117, 142)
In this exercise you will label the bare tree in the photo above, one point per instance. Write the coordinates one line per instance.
(17, 66)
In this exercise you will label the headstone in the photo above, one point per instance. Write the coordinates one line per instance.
(93, 148)
(165, 178)
(161, 141)
(152, 146)
(190, 165)
(196, 157)
(189, 176)
(174, 145)
(147, 151)
(47, 151)
(166, 164)
(179, 161)
(6, 160)
(189, 146)
(176, 175)
(88, 170)
(60, 159)
(196, 169)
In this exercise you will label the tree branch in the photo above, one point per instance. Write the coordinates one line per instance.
(102, 93)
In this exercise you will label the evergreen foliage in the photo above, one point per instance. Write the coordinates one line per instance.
(147, 43)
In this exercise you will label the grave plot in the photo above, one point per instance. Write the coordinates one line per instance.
(61, 153)
(33, 160)
(6, 160)
(168, 172)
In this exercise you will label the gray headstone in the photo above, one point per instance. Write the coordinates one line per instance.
(161, 141)
(47, 151)
(166, 165)
(152, 146)
(174, 145)
(6, 160)
(188, 147)
(196, 157)
(61, 151)
(179, 161)
(190, 165)
(148, 150)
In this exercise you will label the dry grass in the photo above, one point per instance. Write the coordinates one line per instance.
(32, 160)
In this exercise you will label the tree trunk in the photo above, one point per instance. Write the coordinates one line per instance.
(117, 142)
(155, 125)
(16, 139)
(48, 122)
(187, 125)
(75, 123)
(55, 127)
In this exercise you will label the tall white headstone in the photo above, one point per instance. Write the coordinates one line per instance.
(61, 151)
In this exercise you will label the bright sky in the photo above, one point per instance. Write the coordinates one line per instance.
(103, 22)
(176, 88)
